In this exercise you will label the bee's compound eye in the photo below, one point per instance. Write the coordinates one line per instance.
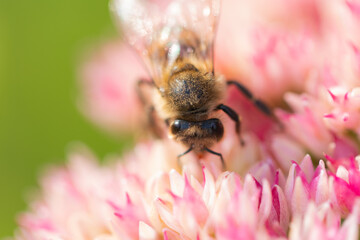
(178, 126)
(214, 127)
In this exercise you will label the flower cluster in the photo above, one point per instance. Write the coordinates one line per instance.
(123, 201)
(296, 177)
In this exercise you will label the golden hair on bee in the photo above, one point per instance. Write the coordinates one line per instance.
(190, 91)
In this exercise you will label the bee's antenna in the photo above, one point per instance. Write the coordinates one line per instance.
(184, 153)
(217, 154)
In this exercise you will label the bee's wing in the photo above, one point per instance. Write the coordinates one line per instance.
(164, 30)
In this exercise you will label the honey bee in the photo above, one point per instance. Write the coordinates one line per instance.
(175, 39)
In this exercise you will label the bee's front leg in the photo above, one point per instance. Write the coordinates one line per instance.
(235, 117)
(151, 122)
(141, 83)
(246, 92)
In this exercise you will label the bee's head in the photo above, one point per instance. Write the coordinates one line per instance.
(201, 134)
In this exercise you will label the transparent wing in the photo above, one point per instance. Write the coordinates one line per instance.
(163, 31)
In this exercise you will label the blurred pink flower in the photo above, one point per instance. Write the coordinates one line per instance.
(108, 96)
(292, 45)
(301, 57)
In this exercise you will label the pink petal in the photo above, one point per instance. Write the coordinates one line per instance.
(353, 6)
(354, 181)
(266, 202)
(209, 192)
(146, 232)
(343, 194)
(319, 186)
(307, 167)
(166, 215)
(300, 197)
(280, 207)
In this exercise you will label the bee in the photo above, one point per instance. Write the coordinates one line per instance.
(175, 39)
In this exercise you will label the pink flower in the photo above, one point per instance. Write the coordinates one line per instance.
(321, 222)
(296, 177)
(84, 200)
(344, 115)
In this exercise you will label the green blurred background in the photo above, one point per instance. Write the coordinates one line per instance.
(41, 42)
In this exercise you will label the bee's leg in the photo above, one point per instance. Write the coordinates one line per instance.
(235, 117)
(149, 108)
(217, 154)
(151, 121)
(139, 89)
(184, 153)
(258, 103)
